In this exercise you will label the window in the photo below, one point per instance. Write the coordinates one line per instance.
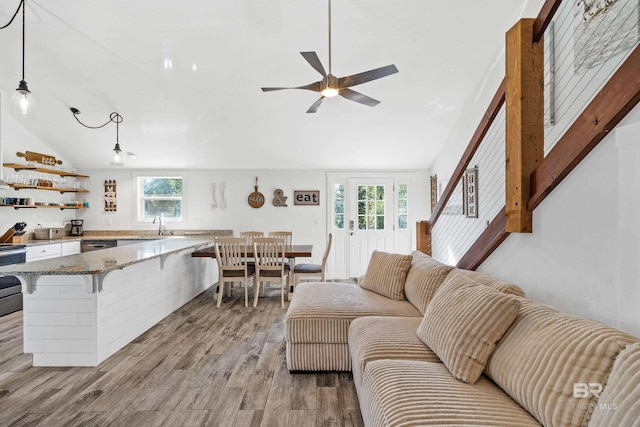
(160, 196)
(338, 206)
(403, 206)
(371, 207)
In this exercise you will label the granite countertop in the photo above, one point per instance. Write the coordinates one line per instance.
(105, 260)
(131, 235)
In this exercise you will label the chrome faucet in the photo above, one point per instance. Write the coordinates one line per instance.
(160, 228)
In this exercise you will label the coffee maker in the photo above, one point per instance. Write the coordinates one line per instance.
(76, 227)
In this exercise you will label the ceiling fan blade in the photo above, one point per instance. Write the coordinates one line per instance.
(314, 107)
(316, 86)
(352, 95)
(314, 61)
(367, 76)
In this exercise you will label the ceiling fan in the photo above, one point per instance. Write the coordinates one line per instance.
(331, 85)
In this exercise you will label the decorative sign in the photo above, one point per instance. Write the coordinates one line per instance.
(306, 198)
(279, 200)
(470, 183)
(256, 199)
(43, 159)
(110, 195)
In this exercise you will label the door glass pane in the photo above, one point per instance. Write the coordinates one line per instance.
(403, 206)
(338, 206)
(371, 208)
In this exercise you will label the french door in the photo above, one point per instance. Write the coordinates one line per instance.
(371, 224)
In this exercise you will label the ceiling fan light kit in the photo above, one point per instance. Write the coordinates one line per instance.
(331, 86)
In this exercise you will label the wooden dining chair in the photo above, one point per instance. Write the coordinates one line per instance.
(287, 236)
(232, 265)
(313, 270)
(269, 255)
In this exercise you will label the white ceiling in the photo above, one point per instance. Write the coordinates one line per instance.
(109, 55)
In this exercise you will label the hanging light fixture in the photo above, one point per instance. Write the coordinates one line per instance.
(117, 159)
(23, 101)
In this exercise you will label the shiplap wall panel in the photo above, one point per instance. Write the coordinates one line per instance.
(453, 235)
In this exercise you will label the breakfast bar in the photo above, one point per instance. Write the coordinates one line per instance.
(81, 309)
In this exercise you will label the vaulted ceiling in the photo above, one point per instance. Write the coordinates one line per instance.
(206, 109)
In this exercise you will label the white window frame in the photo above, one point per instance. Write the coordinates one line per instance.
(138, 201)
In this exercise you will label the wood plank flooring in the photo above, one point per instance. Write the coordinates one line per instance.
(200, 366)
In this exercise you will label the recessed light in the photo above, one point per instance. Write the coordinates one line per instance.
(168, 64)
(194, 67)
(131, 155)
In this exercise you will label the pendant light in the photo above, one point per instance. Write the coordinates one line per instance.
(23, 101)
(117, 159)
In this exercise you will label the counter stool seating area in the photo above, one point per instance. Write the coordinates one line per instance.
(432, 345)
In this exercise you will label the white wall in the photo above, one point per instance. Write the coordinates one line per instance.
(583, 256)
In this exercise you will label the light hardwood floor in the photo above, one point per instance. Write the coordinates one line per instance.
(201, 365)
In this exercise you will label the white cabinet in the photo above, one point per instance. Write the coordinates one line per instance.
(52, 250)
(43, 251)
(70, 248)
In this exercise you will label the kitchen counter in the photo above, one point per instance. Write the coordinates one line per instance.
(132, 235)
(81, 309)
(105, 260)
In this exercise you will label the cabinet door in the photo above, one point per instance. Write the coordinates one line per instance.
(70, 248)
(43, 251)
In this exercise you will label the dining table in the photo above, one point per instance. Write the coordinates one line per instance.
(291, 252)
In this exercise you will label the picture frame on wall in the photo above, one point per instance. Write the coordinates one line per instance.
(434, 192)
(470, 191)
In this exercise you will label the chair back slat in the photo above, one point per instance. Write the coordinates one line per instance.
(287, 236)
(326, 251)
(230, 252)
(269, 253)
(248, 236)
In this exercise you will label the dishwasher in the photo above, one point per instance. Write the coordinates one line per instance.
(94, 245)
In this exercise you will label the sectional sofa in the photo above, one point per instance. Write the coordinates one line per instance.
(429, 344)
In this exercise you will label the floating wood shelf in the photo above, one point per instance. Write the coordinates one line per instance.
(18, 167)
(35, 187)
(41, 207)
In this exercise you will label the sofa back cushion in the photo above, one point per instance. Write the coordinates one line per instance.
(386, 274)
(463, 323)
(619, 403)
(492, 282)
(423, 280)
(544, 353)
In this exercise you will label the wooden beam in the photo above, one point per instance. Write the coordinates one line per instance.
(524, 121)
(482, 129)
(544, 18)
(616, 99)
(488, 241)
(423, 237)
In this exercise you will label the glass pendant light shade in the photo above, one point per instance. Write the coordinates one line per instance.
(117, 158)
(23, 101)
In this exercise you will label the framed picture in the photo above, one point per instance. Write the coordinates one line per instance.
(434, 192)
(470, 190)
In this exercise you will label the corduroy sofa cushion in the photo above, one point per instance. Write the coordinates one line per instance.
(492, 282)
(423, 280)
(386, 274)
(545, 352)
(414, 393)
(463, 323)
(619, 403)
(374, 338)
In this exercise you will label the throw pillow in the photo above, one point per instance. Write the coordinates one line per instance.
(463, 323)
(386, 274)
